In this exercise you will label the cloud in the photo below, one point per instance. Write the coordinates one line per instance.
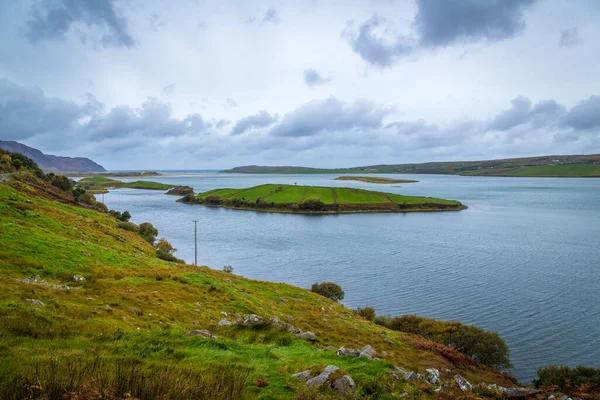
(231, 102)
(271, 16)
(570, 38)
(157, 22)
(169, 89)
(522, 112)
(438, 23)
(330, 115)
(260, 120)
(313, 78)
(585, 115)
(50, 20)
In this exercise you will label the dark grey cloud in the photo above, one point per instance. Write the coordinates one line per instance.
(438, 23)
(256, 121)
(330, 115)
(313, 78)
(53, 19)
(570, 38)
(522, 112)
(585, 115)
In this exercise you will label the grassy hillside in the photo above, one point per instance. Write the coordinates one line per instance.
(101, 184)
(123, 328)
(373, 179)
(558, 166)
(314, 199)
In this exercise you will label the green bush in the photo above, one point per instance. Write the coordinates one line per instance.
(367, 313)
(164, 251)
(329, 290)
(128, 226)
(148, 232)
(228, 269)
(487, 348)
(566, 377)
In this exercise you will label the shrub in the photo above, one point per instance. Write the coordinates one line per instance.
(487, 348)
(148, 232)
(164, 251)
(329, 290)
(125, 216)
(567, 378)
(62, 182)
(311, 205)
(213, 200)
(367, 313)
(228, 269)
(128, 226)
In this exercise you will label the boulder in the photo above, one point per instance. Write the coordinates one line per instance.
(369, 350)
(311, 337)
(36, 302)
(362, 354)
(224, 322)
(346, 351)
(78, 278)
(304, 375)
(344, 385)
(201, 332)
(432, 376)
(462, 383)
(252, 319)
(320, 379)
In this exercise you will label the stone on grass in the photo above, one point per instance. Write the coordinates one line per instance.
(369, 350)
(344, 385)
(224, 322)
(252, 319)
(432, 376)
(323, 377)
(78, 278)
(304, 375)
(311, 337)
(346, 351)
(36, 302)
(462, 383)
(201, 332)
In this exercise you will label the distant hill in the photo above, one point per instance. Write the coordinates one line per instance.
(546, 166)
(50, 162)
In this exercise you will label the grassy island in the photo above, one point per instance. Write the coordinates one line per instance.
(101, 184)
(315, 199)
(373, 179)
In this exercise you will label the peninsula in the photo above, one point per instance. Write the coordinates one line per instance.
(373, 179)
(101, 184)
(318, 200)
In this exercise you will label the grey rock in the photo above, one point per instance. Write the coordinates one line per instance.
(136, 311)
(36, 302)
(224, 322)
(412, 376)
(369, 350)
(223, 313)
(329, 348)
(432, 376)
(320, 379)
(252, 319)
(78, 278)
(304, 375)
(346, 351)
(462, 383)
(365, 355)
(311, 337)
(388, 340)
(201, 332)
(344, 385)
(281, 299)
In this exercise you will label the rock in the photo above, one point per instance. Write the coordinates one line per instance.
(344, 385)
(388, 340)
(311, 337)
(108, 308)
(365, 355)
(223, 313)
(224, 322)
(36, 302)
(432, 376)
(369, 350)
(346, 351)
(94, 310)
(136, 311)
(329, 348)
(384, 354)
(290, 318)
(281, 299)
(304, 375)
(520, 393)
(252, 319)
(78, 278)
(462, 383)
(201, 332)
(320, 379)
(228, 280)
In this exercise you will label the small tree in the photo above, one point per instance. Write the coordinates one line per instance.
(164, 250)
(125, 217)
(228, 269)
(329, 290)
(17, 164)
(148, 232)
(367, 313)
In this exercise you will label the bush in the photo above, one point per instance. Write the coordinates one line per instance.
(164, 251)
(311, 205)
(148, 232)
(567, 378)
(329, 290)
(228, 269)
(128, 226)
(487, 348)
(367, 313)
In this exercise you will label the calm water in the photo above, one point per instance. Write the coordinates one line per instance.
(523, 260)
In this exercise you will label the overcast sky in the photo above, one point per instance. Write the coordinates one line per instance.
(197, 84)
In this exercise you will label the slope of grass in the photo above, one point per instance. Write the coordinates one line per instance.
(568, 171)
(127, 320)
(358, 196)
(323, 194)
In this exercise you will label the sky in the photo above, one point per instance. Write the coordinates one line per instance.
(197, 84)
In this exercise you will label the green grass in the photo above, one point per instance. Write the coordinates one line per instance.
(320, 193)
(570, 171)
(220, 193)
(153, 303)
(359, 196)
(400, 199)
(289, 194)
(256, 192)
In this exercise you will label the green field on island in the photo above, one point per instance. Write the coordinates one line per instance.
(101, 184)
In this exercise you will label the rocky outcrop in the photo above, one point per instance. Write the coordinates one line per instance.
(181, 191)
(432, 376)
(320, 379)
(462, 383)
(202, 333)
(344, 385)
